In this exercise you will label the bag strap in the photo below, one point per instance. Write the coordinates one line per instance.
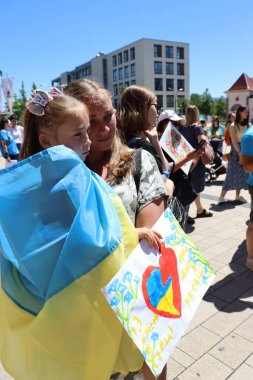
(137, 174)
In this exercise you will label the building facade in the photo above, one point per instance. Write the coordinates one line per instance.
(162, 66)
(241, 93)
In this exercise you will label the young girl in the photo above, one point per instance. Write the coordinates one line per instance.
(72, 236)
(115, 163)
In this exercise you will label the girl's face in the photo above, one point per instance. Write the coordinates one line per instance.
(73, 134)
(244, 114)
(152, 114)
(102, 124)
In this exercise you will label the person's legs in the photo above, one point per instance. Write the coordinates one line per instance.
(149, 376)
(198, 204)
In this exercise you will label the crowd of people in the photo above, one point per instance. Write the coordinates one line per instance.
(122, 147)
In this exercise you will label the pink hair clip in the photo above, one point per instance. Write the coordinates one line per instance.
(37, 105)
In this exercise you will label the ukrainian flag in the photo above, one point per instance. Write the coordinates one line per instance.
(63, 235)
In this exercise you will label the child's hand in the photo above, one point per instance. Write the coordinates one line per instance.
(153, 237)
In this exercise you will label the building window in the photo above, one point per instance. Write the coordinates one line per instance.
(159, 101)
(169, 68)
(120, 73)
(119, 58)
(114, 60)
(125, 55)
(170, 101)
(115, 90)
(133, 70)
(133, 82)
(115, 77)
(158, 84)
(157, 50)
(180, 84)
(169, 84)
(127, 84)
(158, 67)
(132, 53)
(180, 53)
(126, 71)
(169, 51)
(180, 69)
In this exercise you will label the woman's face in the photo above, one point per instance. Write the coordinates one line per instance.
(152, 114)
(102, 124)
(244, 114)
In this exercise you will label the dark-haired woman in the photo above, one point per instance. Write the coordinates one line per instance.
(236, 178)
(8, 147)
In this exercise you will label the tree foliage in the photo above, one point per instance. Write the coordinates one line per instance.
(207, 105)
(19, 102)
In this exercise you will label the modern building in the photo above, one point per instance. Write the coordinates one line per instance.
(241, 93)
(162, 66)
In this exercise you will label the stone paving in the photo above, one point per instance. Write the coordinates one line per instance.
(218, 344)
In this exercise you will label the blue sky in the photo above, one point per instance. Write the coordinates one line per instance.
(40, 40)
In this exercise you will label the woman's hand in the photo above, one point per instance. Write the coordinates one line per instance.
(153, 237)
(240, 159)
(151, 134)
(195, 154)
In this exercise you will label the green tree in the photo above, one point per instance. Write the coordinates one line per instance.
(19, 102)
(34, 87)
(195, 100)
(220, 107)
(182, 104)
(206, 106)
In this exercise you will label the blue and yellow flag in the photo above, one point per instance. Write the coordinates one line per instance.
(63, 235)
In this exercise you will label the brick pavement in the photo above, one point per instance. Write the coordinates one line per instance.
(218, 344)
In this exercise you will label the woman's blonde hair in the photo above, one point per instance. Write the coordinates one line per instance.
(191, 115)
(120, 157)
(132, 115)
(56, 112)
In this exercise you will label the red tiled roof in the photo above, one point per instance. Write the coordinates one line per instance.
(243, 83)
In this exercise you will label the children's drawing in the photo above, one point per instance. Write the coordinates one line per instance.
(176, 146)
(155, 294)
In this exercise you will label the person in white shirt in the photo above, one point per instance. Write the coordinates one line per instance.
(17, 131)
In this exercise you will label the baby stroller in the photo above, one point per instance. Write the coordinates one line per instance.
(217, 167)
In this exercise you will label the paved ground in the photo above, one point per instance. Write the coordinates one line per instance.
(219, 341)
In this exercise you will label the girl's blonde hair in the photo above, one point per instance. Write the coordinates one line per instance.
(132, 115)
(191, 115)
(120, 157)
(56, 112)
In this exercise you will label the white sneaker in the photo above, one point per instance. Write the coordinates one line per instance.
(239, 198)
(222, 200)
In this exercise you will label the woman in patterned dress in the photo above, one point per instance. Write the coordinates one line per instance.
(236, 178)
(115, 163)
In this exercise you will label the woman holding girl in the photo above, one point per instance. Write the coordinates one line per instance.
(236, 178)
(116, 163)
(72, 238)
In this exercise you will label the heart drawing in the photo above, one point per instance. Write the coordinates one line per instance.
(161, 287)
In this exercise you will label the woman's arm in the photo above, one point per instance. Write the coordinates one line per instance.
(234, 141)
(154, 141)
(149, 214)
(5, 149)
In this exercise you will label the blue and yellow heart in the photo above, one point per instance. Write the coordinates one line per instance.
(161, 286)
